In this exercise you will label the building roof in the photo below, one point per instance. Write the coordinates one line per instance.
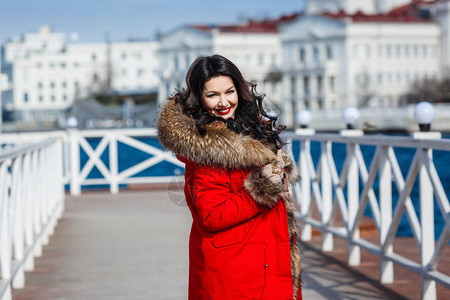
(414, 12)
(251, 26)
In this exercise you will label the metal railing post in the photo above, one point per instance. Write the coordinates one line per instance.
(385, 184)
(75, 186)
(327, 204)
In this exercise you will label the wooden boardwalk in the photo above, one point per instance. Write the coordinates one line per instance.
(135, 246)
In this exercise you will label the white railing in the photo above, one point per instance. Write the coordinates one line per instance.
(31, 202)
(321, 186)
(111, 176)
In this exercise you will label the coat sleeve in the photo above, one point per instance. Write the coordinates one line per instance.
(216, 206)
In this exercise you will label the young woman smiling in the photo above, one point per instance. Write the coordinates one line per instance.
(243, 241)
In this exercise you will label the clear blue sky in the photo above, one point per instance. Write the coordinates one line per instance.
(129, 18)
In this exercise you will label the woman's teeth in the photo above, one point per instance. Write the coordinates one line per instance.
(224, 111)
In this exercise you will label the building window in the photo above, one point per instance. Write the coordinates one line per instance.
(329, 52)
(355, 50)
(293, 86)
(248, 59)
(176, 62)
(75, 64)
(65, 98)
(38, 65)
(319, 85)
(316, 55)
(380, 77)
(187, 60)
(76, 85)
(140, 72)
(302, 55)
(261, 59)
(52, 85)
(424, 51)
(124, 56)
(399, 77)
(398, 50)
(41, 99)
(95, 77)
(368, 52)
(51, 65)
(25, 97)
(416, 50)
(306, 85)
(406, 50)
(64, 84)
(388, 50)
(273, 59)
(52, 97)
(63, 65)
(407, 77)
(40, 85)
(124, 72)
(331, 83)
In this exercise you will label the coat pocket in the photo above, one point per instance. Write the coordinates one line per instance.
(229, 237)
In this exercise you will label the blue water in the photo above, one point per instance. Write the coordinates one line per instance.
(129, 156)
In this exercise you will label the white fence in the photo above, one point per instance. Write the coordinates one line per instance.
(31, 202)
(111, 175)
(323, 187)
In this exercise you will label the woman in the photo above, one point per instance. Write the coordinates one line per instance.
(243, 237)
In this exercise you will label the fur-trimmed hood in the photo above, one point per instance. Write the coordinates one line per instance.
(221, 147)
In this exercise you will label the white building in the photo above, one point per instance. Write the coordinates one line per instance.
(47, 72)
(254, 47)
(334, 60)
(353, 6)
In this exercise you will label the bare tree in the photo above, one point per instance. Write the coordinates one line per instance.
(432, 90)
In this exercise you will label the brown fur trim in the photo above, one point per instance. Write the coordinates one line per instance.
(220, 146)
(262, 190)
(295, 256)
(291, 172)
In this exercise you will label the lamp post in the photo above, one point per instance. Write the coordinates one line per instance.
(303, 118)
(351, 115)
(72, 122)
(424, 114)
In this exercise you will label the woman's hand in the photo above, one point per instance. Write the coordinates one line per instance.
(275, 170)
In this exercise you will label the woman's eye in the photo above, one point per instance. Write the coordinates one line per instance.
(230, 92)
(210, 96)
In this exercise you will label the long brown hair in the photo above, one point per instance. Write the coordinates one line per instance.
(250, 116)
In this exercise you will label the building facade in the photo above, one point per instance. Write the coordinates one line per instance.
(335, 60)
(47, 72)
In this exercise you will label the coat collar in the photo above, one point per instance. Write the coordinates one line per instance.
(219, 147)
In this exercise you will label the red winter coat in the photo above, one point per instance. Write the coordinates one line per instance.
(242, 242)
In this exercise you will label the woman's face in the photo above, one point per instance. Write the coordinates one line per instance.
(219, 96)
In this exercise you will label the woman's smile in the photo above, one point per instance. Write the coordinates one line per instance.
(224, 111)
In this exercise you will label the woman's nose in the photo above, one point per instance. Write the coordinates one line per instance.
(223, 100)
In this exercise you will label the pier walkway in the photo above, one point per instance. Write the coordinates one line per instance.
(133, 245)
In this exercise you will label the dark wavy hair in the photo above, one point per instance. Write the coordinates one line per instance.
(250, 116)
